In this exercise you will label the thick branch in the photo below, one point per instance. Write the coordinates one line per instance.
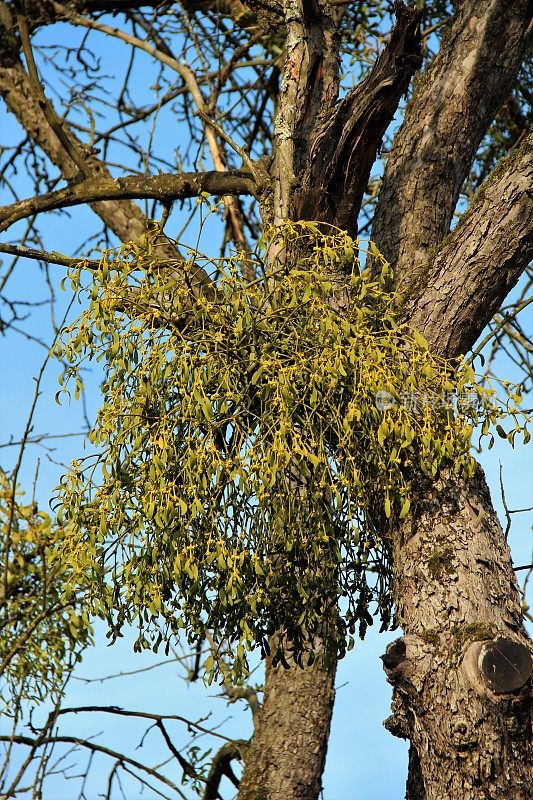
(453, 105)
(158, 187)
(345, 146)
(72, 148)
(221, 766)
(309, 87)
(481, 260)
(41, 12)
(124, 218)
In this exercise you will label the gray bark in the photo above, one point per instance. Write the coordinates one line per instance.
(453, 104)
(455, 589)
(453, 579)
(454, 586)
(286, 756)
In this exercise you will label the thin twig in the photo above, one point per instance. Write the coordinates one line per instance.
(50, 258)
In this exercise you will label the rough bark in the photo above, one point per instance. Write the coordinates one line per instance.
(309, 85)
(454, 586)
(451, 109)
(462, 738)
(286, 756)
(479, 263)
(347, 139)
(468, 718)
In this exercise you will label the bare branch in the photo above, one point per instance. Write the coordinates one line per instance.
(41, 13)
(160, 187)
(187, 767)
(221, 766)
(223, 135)
(42, 741)
(121, 712)
(191, 82)
(72, 148)
(258, 18)
(51, 258)
(124, 218)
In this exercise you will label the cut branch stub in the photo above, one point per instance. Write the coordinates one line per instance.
(394, 655)
(348, 138)
(500, 666)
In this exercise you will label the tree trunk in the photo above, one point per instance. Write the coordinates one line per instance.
(320, 171)
(466, 723)
(286, 757)
(461, 672)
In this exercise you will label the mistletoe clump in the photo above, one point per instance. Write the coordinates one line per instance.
(42, 630)
(254, 444)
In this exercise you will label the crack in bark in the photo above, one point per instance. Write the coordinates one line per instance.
(344, 145)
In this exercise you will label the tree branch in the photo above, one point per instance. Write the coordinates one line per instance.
(41, 12)
(51, 258)
(234, 692)
(158, 187)
(220, 767)
(256, 18)
(72, 148)
(122, 712)
(123, 217)
(452, 107)
(345, 145)
(188, 769)
(161, 52)
(43, 741)
(479, 263)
